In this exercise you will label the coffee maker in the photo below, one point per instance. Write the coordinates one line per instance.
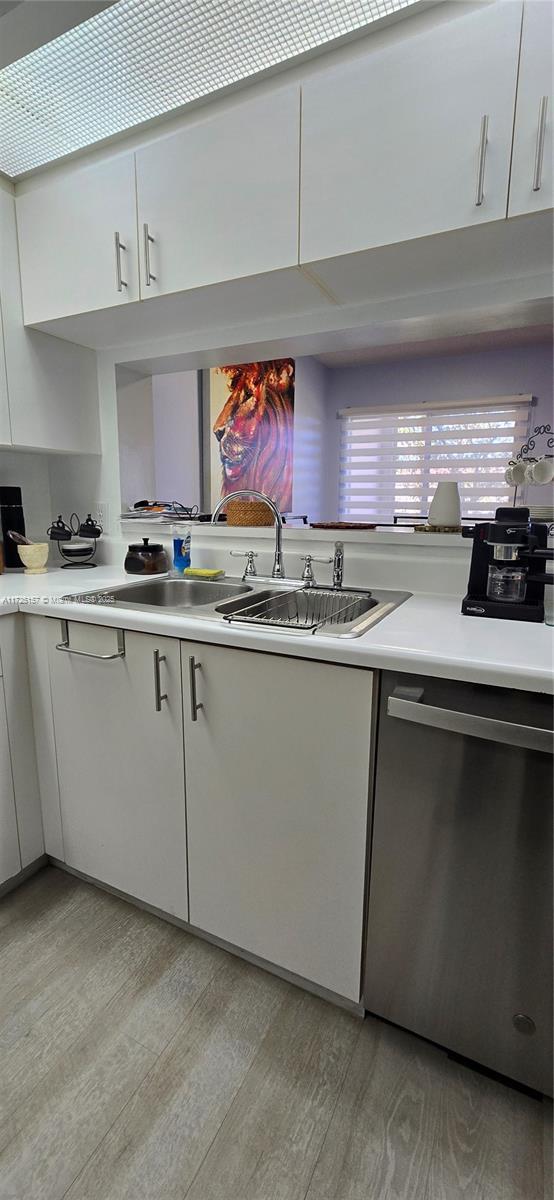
(502, 580)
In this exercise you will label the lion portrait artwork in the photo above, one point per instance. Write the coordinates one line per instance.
(254, 429)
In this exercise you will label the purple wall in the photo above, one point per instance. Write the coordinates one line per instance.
(502, 372)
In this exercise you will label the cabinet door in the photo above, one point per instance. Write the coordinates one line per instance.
(220, 198)
(67, 249)
(277, 766)
(5, 431)
(120, 762)
(10, 860)
(52, 387)
(17, 696)
(391, 145)
(531, 181)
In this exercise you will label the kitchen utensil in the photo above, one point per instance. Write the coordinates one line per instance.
(445, 505)
(34, 556)
(18, 538)
(11, 518)
(146, 558)
(341, 525)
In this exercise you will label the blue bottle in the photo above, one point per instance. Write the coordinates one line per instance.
(181, 552)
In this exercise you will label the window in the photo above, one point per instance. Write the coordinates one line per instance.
(392, 459)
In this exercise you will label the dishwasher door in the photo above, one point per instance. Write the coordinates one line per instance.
(459, 942)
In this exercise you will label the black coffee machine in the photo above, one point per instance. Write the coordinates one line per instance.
(507, 576)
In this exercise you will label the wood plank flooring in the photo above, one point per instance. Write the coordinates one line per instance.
(140, 1063)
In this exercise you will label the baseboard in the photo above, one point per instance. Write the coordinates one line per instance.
(297, 980)
(16, 880)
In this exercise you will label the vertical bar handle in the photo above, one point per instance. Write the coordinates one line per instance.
(483, 139)
(147, 239)
(119, 246)
(158, 694)
(194, 705)
(539, 150)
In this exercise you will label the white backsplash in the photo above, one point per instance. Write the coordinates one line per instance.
(436, 563)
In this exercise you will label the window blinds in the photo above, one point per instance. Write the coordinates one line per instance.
(392, 459)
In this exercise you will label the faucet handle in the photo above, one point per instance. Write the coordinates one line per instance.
(249, 555)
(308, 576)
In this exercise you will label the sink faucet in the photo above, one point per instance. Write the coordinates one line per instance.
(338, 564)
(278, 571)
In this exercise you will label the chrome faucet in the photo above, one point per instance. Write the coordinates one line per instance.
(278, 571)
(338, 564)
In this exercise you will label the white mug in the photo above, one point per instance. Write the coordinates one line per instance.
(516, 474)
(445, 505)
(543, 471)
(529, 469)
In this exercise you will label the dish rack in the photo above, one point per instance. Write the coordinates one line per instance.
(304, 610)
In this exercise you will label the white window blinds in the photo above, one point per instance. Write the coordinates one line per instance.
(391, 460)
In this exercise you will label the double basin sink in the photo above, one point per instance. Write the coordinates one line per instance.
(286, 605)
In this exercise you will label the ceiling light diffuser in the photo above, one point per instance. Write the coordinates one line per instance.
(140, 59)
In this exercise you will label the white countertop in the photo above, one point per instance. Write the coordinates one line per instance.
(427, 635)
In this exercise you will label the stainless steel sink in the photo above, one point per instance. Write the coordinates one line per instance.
(286, 605)
(176, 594)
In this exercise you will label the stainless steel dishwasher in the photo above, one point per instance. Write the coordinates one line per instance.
(459, 932)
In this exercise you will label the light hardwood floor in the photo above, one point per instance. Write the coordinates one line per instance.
(140, 1063)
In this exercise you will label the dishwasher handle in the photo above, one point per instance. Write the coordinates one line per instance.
(406, 705)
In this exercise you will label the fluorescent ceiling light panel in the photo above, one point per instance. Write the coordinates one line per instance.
(141, 58)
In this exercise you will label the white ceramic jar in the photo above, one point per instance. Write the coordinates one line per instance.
(445, 505)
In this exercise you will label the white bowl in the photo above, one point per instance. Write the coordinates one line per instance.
(34, 557)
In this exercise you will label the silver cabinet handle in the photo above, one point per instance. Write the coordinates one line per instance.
(147, 239)
(158, 694)
(539, 151)
(528, 737)
(64, 645)
(483, 139)
(119, 246)
(194, 705)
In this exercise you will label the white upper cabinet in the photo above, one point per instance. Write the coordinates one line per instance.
(531, 182)
(412, 140)
(70, 261)
(220, 198)
(48, 388)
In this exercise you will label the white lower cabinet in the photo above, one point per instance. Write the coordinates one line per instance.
(118, 729)
(277, 777)
(10, 858)
(21, 839)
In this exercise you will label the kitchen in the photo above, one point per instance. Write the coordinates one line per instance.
(276, 871)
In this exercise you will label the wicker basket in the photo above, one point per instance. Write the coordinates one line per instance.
(248, 512)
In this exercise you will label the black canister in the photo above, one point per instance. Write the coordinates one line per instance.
(11, 517)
